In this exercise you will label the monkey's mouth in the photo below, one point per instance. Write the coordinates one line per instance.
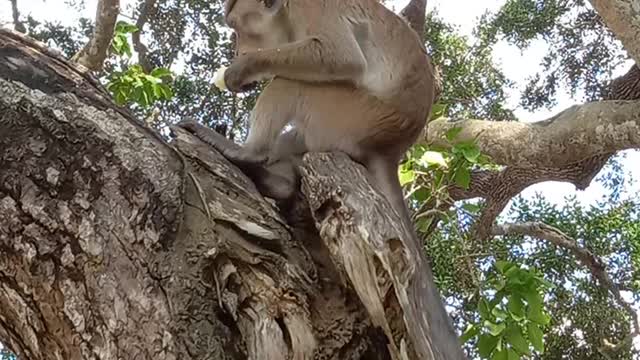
(249, 86)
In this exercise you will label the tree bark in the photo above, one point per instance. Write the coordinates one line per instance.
(116, 244)
(623, 18)
(573, 135)
(92, 55)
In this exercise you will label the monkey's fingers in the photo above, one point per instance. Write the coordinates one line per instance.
(207, 135)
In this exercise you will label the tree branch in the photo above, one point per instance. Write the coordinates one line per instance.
(92, 55)
(622, 17)
(595, 265)
(577, 133)
(139, 47)
(17, 24)
(625, 87)
(499, 187)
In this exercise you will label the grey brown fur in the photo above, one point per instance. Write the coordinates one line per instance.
(349, 75)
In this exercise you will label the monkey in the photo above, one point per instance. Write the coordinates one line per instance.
(349, 75)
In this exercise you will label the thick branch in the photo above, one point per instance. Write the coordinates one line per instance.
(382, 259)
(17, 24)
(499, 187)
(573, 135)
(92, 55)
(625, 87)
(595, 265)
(622, 17)
(145, 9)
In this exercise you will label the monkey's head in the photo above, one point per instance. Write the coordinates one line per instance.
(258, 24)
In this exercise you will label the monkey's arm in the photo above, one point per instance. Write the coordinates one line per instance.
(323, 58)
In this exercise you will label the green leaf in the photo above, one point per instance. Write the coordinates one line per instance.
(516, 307)
(498, 313)
(503, 265)
(512, 355)
(471, 154)
(453, 133)
(421, 195)
(437, 110)
(494, 329)
(166, 91)
(514, 336)
(472, 208)
(536, 312)
(484, 309)
(406, 177)
(160, 72)
(433, 158)
(486, 345)
(535, 336)
(124, 27)
(423, 224)
(463, 177)
(470, 333)
(501, 355)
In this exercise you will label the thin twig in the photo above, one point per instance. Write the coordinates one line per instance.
(595, 265)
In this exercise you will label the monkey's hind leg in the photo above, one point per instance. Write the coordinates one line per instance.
(276, 180)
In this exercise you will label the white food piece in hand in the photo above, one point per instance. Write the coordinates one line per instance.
(218, 78)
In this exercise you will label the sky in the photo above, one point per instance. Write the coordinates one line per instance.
(517, 65)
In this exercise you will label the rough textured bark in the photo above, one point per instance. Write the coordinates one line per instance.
(92, 55)
(625, 87)
(623, 18)
(115, 244)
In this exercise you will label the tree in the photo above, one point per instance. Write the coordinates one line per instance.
(92, 222)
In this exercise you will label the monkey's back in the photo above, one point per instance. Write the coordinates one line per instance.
(399, 70)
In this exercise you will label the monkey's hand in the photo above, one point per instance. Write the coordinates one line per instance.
(240, 156)
(242, 75)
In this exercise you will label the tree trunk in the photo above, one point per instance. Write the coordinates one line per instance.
(115, 244)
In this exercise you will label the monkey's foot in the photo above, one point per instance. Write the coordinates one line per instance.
(241, 157)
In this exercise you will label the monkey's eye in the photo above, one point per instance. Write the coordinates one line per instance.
(268, 3)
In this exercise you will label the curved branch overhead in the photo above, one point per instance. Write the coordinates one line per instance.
(577, 133)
